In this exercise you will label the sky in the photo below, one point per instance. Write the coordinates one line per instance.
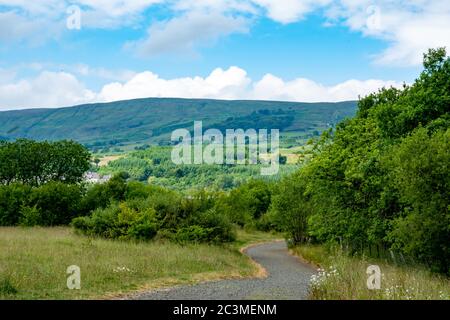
(56, 53)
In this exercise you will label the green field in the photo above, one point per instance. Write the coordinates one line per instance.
(33, 263)
(344, 278)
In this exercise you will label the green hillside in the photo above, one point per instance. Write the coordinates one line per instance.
(152, 120)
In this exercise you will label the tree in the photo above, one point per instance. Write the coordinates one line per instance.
(36, 163)
(381, 178)
(291, 207)
(420, 170)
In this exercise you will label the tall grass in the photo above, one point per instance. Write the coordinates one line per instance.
(342, 277)
(33, 264)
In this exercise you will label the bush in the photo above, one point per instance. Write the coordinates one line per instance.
(216, 227)
(101, 195)
(118, 222)
(246, 203)
(163, 212)
(192, 234)
(100, 223)
(30, 217)
(58, 203)
(12, 199)
(267, 223)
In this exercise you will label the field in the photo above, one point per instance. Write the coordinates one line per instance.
(33, 263)
(344, 278)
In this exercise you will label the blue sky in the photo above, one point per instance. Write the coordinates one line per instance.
(297, 50)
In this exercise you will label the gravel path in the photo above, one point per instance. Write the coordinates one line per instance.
(288, 279)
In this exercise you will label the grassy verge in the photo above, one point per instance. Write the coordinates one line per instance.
(33, 263)
(344, 278)
(246, 238)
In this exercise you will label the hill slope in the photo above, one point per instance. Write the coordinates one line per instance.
(152, 120)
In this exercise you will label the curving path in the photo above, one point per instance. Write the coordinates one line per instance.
(288, 279)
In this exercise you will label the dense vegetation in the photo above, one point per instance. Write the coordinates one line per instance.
(154, 165)
(39, 182)
(133, 210)
(381, 180)
(41, 187)
(141, 212)
(36, 163)
(144, 121)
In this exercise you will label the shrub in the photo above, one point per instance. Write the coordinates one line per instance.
(192, 234)
(119, 222)
(100, 223)
(247, 202)
(57, 202)
(12, 198)
(30, 216)
(102, 195)
(267, 223)
(216, 227)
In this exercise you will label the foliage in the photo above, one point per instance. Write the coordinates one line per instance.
(291, 208)
(381, 178)
(119, 222)
(422, 176)
(101, 195)
(155, 166)
(149, 211)
(56, 202)
(36, 163)
(12, 198)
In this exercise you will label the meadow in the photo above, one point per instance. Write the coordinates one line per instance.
(343, 277)
(33, 263)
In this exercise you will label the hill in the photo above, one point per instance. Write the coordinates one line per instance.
(152, 120)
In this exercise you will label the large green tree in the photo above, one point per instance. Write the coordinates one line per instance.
(381, 178)
(36, 163)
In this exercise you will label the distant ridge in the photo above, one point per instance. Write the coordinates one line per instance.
(152, 120)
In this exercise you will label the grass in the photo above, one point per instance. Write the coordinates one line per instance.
(33, 263)
(246, 238)
(344, 278)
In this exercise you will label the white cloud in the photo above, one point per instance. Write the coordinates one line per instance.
(59, 89)
(182, 33)
(271, 87)
(48, 89)
(287, 11)
(234, 83)
(16, 28)
(409, 27)
(222, 84)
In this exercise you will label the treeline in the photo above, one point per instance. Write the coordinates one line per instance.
(154, 165)
(42, 185)
(133, 210)
(36, 163)
(40, 182)
(381, 180)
